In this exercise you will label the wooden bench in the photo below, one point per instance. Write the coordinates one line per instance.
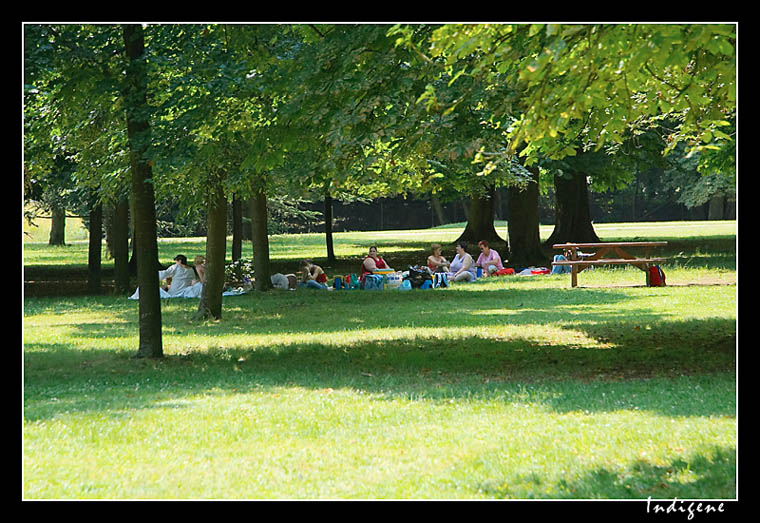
(578, 262)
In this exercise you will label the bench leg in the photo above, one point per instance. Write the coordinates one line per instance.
(574, 275)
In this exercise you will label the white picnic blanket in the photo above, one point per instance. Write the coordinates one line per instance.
(194, 291)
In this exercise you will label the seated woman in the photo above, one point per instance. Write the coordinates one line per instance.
(182, 279)
(372, 262)
(435, 261)
(562, 269)
(462, 266)
(196, 287)
(312, 276)
(489, 260)
(199, 263)
(182, 276)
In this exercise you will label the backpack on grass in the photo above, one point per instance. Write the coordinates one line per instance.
(440, 280)
(351, 282)
(373, 282)
(418, 275)
(656, 276)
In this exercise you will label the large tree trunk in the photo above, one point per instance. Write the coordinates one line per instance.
(237, 228)
(262, 278)
(480, 220)
(216, 249)
(120, 246)
(329, 227)
(57, 227)
(522, 225)
(144, 207)
(94, 250)
(572, 217)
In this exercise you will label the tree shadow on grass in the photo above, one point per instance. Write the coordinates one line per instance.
(559, 378)
(706, 470)
(436, 346)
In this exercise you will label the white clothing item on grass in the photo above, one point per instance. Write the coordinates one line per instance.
(182, 285)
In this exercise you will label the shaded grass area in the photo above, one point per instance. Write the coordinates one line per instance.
(517, 324)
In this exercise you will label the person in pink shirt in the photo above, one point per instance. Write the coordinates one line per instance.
(489, 260)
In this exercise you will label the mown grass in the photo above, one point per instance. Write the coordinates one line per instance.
(508, 388)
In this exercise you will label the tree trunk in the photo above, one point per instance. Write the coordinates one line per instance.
(572, 217)
(94, 251)
(522, 225)
(138, 133)
(120, 246)
(262, 278)
(132, 242)
(498, 205)
(480, 220)
(246, 219)
(108, 231)
(134, 245)
(237, 228)
(57, 227)
(216, 249)
(438, 210)
(329, 227)
(716, 206)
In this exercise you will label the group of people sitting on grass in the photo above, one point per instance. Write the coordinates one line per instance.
(462, 268)
(184, 281)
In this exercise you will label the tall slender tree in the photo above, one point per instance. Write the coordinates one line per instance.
(144, 207)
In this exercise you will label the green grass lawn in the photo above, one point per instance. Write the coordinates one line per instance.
(507, 388)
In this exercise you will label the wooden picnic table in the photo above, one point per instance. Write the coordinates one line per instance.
(580, 261)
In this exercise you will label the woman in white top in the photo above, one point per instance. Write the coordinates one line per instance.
(462, 266)
(182, 280)
(196, 287)
(182, 276)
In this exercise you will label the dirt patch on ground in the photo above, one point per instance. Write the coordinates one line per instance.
(700, 282)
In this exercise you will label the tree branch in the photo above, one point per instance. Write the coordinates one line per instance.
(317, 30)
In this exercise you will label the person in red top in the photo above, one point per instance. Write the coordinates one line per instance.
(435, 261)
(372, 262)
(312, 276)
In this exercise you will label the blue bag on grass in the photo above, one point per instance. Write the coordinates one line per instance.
(373, 282)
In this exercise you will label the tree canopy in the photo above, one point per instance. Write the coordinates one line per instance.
(368, 110)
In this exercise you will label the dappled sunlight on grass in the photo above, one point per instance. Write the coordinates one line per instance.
(511, 387)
